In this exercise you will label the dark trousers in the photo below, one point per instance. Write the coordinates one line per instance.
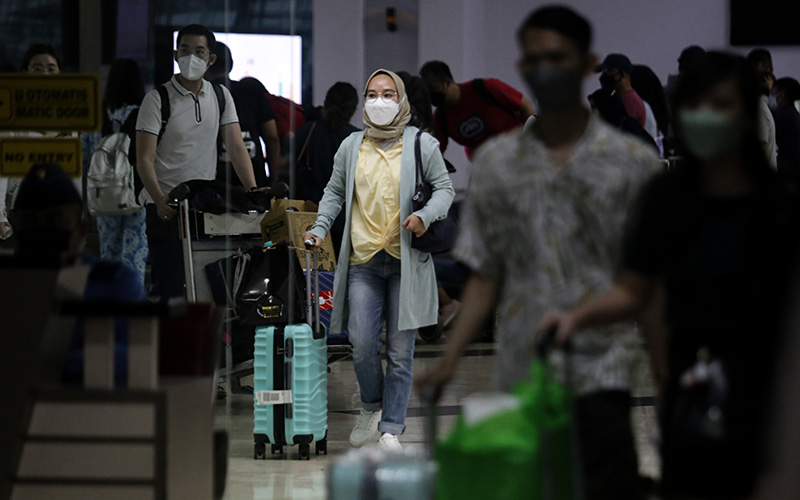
(166, 256)
(608, 452)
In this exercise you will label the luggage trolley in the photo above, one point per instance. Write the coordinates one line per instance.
(207, 238)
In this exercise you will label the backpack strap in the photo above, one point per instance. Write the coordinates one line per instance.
(220, 97)
(165, 110)
(220, 142)
(479, 86)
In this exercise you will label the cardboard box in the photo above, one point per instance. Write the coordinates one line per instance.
(280, 225)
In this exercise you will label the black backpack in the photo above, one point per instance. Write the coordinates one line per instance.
(165, 114)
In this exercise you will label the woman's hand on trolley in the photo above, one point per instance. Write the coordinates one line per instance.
(308, 238)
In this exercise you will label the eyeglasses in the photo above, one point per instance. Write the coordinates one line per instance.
(40, 68)
(386, 95)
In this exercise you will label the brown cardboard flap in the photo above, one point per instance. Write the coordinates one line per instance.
(280, 226)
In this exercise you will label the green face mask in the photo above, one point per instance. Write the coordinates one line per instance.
(709, 135)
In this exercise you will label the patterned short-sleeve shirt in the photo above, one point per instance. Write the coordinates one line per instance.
(552, 235)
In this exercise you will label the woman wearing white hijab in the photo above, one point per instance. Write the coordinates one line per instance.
(380, 276)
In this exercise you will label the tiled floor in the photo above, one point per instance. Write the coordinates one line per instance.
(285, 477)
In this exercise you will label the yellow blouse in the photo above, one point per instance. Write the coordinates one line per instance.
(375, 219)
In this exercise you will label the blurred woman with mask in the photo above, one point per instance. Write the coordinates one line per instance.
(380, 277)
(718, 232)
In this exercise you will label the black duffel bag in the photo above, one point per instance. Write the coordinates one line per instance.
(275, 291)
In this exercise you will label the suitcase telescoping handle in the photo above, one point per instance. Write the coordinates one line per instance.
(312, 298)
(427, 396)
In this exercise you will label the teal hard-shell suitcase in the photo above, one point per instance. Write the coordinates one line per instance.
(290, 385)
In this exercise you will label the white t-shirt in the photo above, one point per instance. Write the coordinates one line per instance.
(650, 125)
(188, 148)
(766, 131)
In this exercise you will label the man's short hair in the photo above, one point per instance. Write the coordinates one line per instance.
(436, 68)
(198, 30)
(789, 86)
(562, 20)
(693, 54)
(224, 60)
(759, 56)
(40, 48)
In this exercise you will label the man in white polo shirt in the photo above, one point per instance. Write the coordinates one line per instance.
(186, 150)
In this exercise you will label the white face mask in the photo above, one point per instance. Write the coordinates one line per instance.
(381, 111)
(192, 67)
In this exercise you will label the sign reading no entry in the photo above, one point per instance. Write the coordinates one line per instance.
(61, 103)
(19, 154)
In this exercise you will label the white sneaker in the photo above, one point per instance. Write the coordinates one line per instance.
(366, 428)
(389, 442)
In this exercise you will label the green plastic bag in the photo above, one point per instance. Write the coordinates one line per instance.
(521, 453)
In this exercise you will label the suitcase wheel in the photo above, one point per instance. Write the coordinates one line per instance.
(259, 451)
(277, 449)
(322, 447)
(431, 334)
(305, 452)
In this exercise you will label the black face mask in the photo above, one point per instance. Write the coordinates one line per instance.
(607, 81)
(555, 89)
(437, 98)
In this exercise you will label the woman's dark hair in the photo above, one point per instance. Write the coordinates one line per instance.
(649, 88)
(699, 80)
(420, 101)
(340, 104)
(40, 48)
(609, 105)
(611, 108)
(123, 88)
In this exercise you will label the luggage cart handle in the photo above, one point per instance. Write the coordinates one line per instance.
(312, 295)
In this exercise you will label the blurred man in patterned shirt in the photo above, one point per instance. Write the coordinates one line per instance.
(542, 229)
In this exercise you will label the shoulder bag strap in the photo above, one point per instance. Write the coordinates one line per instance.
(418, 158)
(305, 146)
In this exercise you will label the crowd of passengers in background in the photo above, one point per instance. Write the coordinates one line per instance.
(647, 214)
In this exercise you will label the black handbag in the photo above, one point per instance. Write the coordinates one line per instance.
(441, 234)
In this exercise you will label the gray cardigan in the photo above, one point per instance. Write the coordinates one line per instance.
(419, 302)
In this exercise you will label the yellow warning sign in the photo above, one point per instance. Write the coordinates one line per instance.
(61, 103)
(5, 104)
(19, 154)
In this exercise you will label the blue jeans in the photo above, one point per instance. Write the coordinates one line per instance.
(374, 296)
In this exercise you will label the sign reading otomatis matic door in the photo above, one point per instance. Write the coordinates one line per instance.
(61, 103)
